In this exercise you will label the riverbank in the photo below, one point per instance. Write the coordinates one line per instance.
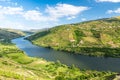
(14, 64)
(100, 38)
(81, 61)
(87, 51)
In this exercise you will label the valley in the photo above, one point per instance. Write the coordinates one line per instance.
(16, 65)
(59, 39)
(100, 38)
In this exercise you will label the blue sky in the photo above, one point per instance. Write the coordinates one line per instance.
(38, 14)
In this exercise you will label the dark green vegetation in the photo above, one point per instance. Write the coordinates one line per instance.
(94, 38)
(7, 34)
(15, 65)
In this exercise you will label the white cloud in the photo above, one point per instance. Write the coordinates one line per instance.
(28, 15)
(35, 15)
(110, 11)
(32, 15)
(10, 24)
(51, 13)
(55, 13)
(10, 10)
(2, 17)
(114, 1)
(114, 11)
(83, 19)
(64, 10)
(71, 17)
(16, 25)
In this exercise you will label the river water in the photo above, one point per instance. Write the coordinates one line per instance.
(83, 62)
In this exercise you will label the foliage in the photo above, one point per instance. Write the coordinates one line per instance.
(95, 38)
(14, 64)
(7, 34)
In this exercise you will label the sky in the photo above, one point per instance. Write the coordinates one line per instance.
(39, 14)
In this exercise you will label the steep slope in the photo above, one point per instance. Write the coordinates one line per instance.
(7, 34)
(15, 65)
(95, 38)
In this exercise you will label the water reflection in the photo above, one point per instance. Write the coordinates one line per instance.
(83, 62)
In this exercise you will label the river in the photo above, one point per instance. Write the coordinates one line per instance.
(83, 62)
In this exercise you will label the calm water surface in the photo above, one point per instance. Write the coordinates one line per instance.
(83, 62)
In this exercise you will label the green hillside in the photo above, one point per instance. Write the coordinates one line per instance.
(7, 34)
(15, 65)
(94, 38)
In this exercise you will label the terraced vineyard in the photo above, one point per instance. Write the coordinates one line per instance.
(94, 38)
(15, 65)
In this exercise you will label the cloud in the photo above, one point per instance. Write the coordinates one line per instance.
(64, 10)
(71, 17)
(55, 13)
(83, 19)
(52, 13)
(10, 24)
(114, 11)
(28, 15)
(10, 10)
(32, 15)
(114, 1)
(35, 16)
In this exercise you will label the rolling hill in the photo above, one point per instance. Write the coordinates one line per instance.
(16, 65)
(7, 34)
(94, 38)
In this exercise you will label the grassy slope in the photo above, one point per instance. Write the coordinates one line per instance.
(94, 38)
(15, 65)
(7, 34)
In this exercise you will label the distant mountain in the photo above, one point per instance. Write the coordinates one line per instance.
(7, 34)
(95, 38)
(32, 31)
(38, 30)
